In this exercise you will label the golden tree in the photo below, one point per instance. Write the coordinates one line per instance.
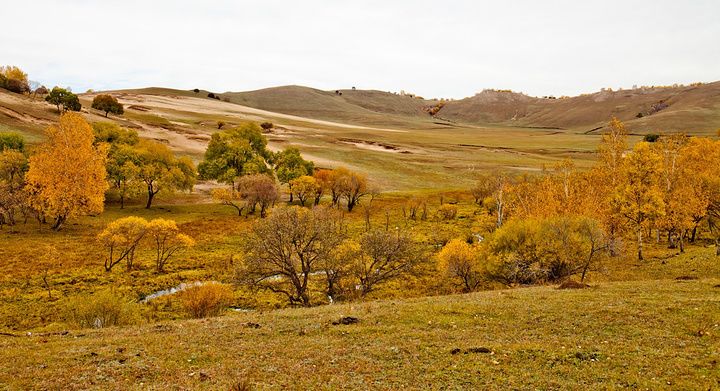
(67, 175)
(638, 199)
(168, 240)
(612, 150)
(304, 187)
(459, 261)
(122, 237)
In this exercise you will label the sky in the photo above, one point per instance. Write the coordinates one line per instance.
(435, 49)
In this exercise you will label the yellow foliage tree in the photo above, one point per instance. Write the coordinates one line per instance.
(304, 187)
(67, 175)
(167, 239)
(638, 199)
(459, 261)
(122, 237)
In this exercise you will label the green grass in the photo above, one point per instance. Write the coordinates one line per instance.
(642, 335)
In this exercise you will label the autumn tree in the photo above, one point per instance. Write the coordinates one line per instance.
(108, 104)
(323, 180)
(685, 195)
(459, 261)
(159, 169)
(349, 185)
(384, 256)
(248, 192)
(290, 165)
(612, 150)
(13, 197)
(122, 237)
(284, 250)
(538, 250)
(702, 157)
(167, 240)
(14, 79)
(66, 177)
(638, 197)
(495, 186)
(304, 187)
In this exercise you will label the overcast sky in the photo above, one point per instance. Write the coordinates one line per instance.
(437, 49)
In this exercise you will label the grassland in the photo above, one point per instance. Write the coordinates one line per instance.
(660, 334)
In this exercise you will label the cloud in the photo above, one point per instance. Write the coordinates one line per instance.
(448, 49)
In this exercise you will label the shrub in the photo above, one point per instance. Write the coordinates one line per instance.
(651, 137)
(448, 211)
(211, 95)
(203, 300)
(102, 309)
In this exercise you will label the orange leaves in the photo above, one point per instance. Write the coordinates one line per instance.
(67, 175)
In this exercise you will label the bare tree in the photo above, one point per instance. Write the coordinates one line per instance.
(285, 250)
(384, 256)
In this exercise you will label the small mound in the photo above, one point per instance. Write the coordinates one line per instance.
(346, 320)
(570, 284)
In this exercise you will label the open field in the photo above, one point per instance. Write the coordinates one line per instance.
(659, 334)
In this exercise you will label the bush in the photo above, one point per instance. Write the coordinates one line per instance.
(448, 211)
(651, 137)
(205, 300)
(102, 309)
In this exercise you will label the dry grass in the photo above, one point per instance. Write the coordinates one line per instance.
(646, 335)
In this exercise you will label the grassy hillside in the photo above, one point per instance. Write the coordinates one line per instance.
(695, 109)
(412, 152)
(375, 108)
(641, 335)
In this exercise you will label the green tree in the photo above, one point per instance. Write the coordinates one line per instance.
(235, 152)
(60, 96)
(123, 165)
(12, 140)
(13, 197)
(108, 104)
(290, 165)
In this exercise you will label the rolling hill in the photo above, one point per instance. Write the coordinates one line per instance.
(391, 137)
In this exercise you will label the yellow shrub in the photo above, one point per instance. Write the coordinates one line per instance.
(102, 309)
(205, 300)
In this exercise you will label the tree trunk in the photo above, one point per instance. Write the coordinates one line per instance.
(59, 222)
(122, 202)
(692, 237)
(151, 194)
(640, 243)
(681, 236)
